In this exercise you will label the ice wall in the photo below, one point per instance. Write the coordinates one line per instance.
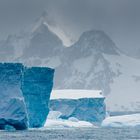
(24, 95)
(13, 113)
(84, 109)
(12, 107)
(36, 87)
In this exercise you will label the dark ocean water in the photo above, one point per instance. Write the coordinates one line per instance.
(74, 134)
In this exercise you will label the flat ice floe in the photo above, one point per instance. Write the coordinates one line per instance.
(122, 121)
(54, 121)
(60, 123)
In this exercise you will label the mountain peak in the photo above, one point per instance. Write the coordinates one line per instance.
(97, 40)
(95, 35)
(44, 14)
(41, 22)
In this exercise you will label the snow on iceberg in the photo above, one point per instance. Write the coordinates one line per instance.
(37, 86)
(122, 121)
(85, 105)
(76, 94)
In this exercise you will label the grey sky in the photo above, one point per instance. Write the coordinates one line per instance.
(119, 18)
(18, 14)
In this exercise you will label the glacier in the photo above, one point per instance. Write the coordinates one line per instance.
(37, 86)
(25, 93)
(84, 105)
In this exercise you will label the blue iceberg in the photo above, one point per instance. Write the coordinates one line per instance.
(86, 109)
(13, 113)
(85, 105)
(37, 86)
(12, 106)
(25, 93)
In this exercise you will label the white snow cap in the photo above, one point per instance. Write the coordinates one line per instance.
(76, 94)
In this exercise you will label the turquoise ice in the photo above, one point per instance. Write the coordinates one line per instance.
(24, 95)
(12, 106)
(85, 105)
(37, 86)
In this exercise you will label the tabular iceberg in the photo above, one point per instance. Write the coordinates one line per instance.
(12, 107)
(37, 86)
(85, 105)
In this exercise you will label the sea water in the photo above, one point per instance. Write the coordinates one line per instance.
(73, 134)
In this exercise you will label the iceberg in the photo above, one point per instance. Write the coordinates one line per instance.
(12, 106)
(85, 105)
(37, 86)
(13, 113)
(122, 121)
(25, 93)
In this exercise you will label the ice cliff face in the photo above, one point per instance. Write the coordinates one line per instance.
(90, 108)
(12, 106)
(13, 113)
(85, 109)
(37, 86)
(25, 94)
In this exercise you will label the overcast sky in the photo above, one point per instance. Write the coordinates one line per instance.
(119, 18)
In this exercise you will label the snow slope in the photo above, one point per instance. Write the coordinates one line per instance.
(122, 121)
(126, 85)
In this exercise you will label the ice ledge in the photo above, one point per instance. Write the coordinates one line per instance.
(76, 94)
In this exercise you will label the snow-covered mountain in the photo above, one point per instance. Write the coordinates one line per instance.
(85, 65)
(93, 62)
